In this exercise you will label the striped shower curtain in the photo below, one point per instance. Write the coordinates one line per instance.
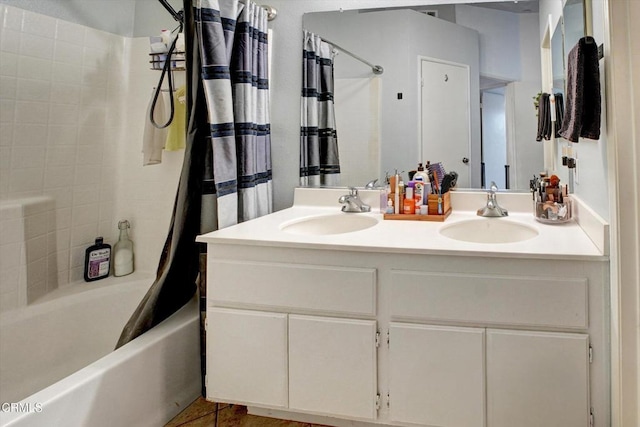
(319, 159)
(233, 46)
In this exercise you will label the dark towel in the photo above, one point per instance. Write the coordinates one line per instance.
(559, 113)
(582, 114)
(544, 118)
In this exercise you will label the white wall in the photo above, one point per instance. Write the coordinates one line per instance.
(113, 16)
(130, 18)
(499, 38)
(357, 104)
(151, 17)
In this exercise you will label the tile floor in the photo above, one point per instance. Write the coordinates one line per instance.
(202, 413)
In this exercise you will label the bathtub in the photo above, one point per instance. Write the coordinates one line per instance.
(58, 366)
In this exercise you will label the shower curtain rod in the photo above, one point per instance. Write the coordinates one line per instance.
(377, 69)
(179, 16)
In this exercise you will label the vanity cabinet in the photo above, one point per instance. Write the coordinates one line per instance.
(533, 377)
(261, 349)
(332, 366)
(555, 368)
(358, 338)
(436, 375)
(247, 357)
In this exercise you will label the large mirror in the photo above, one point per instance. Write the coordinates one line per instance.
(573, 23)
(441, 64)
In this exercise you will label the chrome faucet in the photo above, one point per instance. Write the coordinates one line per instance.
(352, 202)
(492, 209)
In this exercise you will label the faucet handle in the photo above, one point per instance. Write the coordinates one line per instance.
(371, 184)
(493, 188)
(353, 191)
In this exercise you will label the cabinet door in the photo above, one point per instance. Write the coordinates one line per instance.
(537, 379)
(247, 357)
(436, 375)
(332, 366)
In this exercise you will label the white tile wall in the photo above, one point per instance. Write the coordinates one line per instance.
(72, 108)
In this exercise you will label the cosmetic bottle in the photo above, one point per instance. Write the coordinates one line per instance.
(396, 193)
(97, 261)
(123, 251)
(389, 206)
(418, 193)
(409, 206)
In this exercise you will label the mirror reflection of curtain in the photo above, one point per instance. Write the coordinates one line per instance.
(319, 159)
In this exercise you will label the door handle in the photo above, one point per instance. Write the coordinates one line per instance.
(465, 160)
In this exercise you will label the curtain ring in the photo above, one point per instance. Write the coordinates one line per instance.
(271, 12)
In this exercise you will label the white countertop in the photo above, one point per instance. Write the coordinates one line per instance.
(562, 241)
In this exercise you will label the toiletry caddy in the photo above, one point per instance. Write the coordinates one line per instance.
(432, 214)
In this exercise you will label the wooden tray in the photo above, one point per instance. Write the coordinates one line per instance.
(404, 217)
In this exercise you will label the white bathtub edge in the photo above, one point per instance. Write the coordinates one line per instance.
(152, 403)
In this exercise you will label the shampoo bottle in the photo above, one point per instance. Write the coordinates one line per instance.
(423, 176)
(123, 251)
(97, 261)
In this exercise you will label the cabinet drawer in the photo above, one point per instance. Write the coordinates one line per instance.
(277, 286)
(523, 301)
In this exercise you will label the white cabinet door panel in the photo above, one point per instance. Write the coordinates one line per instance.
(247, 357)
(332, 366)
(537, 379)
(437, 375)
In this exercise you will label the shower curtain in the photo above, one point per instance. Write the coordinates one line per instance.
(319, 159)
(226, 174)
(233, 44)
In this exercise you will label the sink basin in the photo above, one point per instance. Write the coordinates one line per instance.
(329, 224)
(489, 230)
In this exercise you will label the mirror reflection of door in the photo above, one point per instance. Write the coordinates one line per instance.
(494, 136)
(445, 116)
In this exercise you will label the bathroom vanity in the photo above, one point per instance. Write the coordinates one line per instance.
(397, 324)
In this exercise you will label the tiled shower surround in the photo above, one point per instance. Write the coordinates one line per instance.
(72, 108)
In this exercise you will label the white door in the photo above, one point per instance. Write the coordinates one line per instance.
(537, 379)
(247, 357)
(332, 366)
(436, 375)
(445, 111)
